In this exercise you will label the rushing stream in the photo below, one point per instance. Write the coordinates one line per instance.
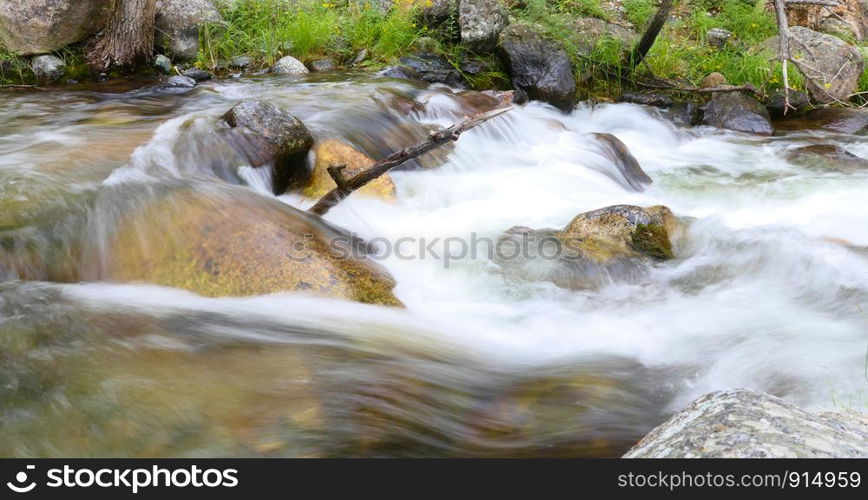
(768, 291)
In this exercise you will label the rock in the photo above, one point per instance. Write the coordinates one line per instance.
(200, 75)
(736, 111)
(590, 31)
(289, 65)
(179, 81)
(647, 99)
(361, 57)
(48, 67)
(843, 120)
(178, 23)
(230, 241)
(401, 72)
(538, 66)
(832, 66)
(685, 113)
(163, 64)
(434, 13)
(798, 101)
(746, 424)
(323, 66)
(265, 133)
(632, 175)
(433, 68)
(718, 37)
(845, 20)
(334, 152)
(610, 244)
(480, 22)
(240, 62)
(827, 157)
(712, 80)
(473, 65)
(30, 27)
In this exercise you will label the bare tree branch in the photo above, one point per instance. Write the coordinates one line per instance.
(435, 139)
(826, 3)
(784, 50)
(647, 41)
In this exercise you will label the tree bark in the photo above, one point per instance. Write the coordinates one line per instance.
(650, 35)
(128, 37)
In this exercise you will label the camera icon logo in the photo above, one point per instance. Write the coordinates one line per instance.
(20, 479)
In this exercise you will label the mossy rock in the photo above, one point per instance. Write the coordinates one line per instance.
(334, 152)
(623, 230)
(219, 240)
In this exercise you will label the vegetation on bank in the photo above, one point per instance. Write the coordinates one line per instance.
(266, 30)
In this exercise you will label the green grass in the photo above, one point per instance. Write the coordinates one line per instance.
(269, 29)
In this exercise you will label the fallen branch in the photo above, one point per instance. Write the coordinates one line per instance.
(436, 139)
(826, 3)
(647, 41)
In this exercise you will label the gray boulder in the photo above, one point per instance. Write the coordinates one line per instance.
(178, 24)
(163, 64)
(264, 134)
(831, 65)
(718, 37)
(323, 65)
(538, 66)
(431, 68)
(200, 75)
(180, 82)
(747, 424)
(289, 66)
(736, 111)
(480, 22)
(39, 26)
(437, 12)
(48, 67)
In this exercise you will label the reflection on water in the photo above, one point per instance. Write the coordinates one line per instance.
(766, 292)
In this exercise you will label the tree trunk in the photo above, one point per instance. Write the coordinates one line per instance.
(128, 37)
(651, 32)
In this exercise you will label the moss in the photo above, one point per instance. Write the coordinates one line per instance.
(653, 241)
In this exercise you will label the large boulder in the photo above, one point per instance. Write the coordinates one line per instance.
(266, 134)
(846, 20)
(178, 24)
(221, 240)
(589, 32)
(334, 152)
(40, 26)
(481, 21)
(747, 424)
(612, 244)
(736, 111)
(538, 66)
(831, 66)
(434, 13)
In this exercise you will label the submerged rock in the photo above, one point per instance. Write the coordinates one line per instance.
(830, 157)
(480, 22)
(265, 133)
(631, 172)
(538, 66)
(178, 23)
(38, 26)
(844, 120)
(200, 75)
(736, 111)
(334, 152)
(747, 424)
(48, 67)
(289, 66)
(179, 81)
(228, 241)
(612, 244)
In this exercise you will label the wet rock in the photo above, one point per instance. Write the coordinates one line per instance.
(401, 72)
(240, 62)
(746, 424)
(832, 66)
(736, 111)
(48, 67)
(178, 23)
(229, 241)
(588, 32)
(615, 243)
(432, 68)
(480, 22)
(718, 37)
(38, 26)
(538, 66)
(323, 66)
(335, 152)
(163, 64)
(844, 120)
(289, 65)
(200, 75)
(179, 81)
(799, 101)
(828, 157)
(647, 99)
(631, 172)
(712, 80)
(685, 113)
(265, 133)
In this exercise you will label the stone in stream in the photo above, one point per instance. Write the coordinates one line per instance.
(843, 120)
(736, 111)
(647, 99)
(222, 240)
(612, 244)
(179, 81)
(799, 101)
(178, 23)
(289, 65)
(827, 157)
(323, 65)
(200, 75)
(48, 67)
(480, 22)
(335, 152)
(631, 172)
(163, 64)
(265, 134)
(746, 424)
(431, 68)
(538, 66)
(38, 26)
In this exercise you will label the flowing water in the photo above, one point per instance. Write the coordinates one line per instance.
(769, 290)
